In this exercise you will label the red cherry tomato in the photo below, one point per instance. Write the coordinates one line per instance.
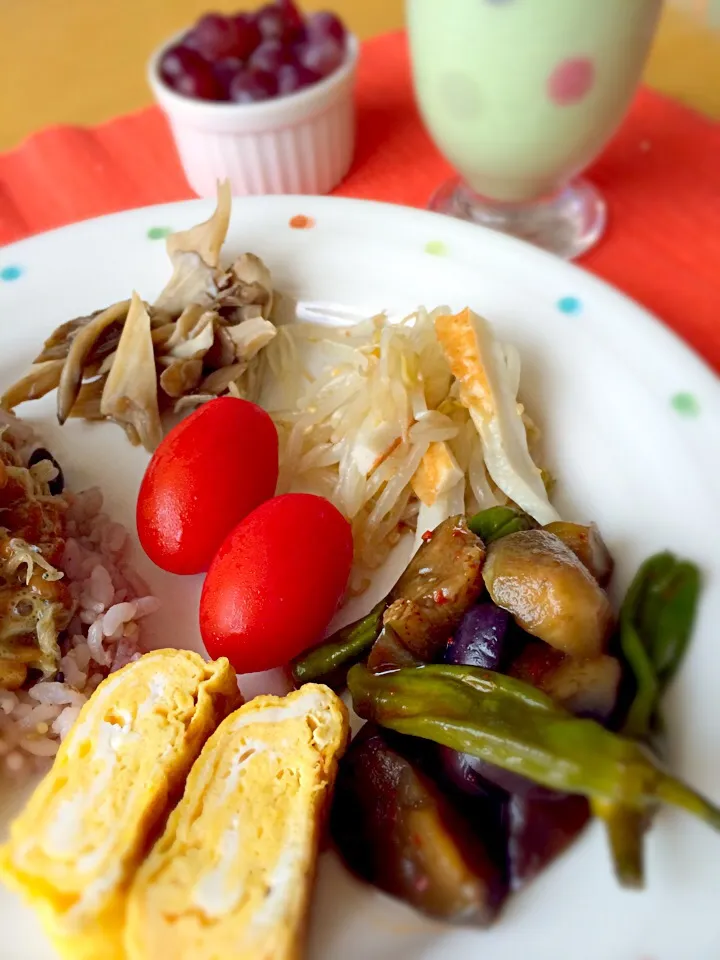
(208, 473)
(276, 582)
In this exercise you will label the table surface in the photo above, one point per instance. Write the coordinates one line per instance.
(83, 61)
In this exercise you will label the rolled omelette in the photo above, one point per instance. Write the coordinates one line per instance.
(75, 848)
(231, 877)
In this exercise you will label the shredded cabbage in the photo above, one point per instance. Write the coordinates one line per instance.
(488, 377)
(359, 408)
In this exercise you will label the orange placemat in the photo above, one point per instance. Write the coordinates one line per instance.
(661, 177)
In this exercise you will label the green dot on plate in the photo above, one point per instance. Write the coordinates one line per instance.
(437, 248)
(158, 233)
(686, 404)
(569, 305)
(11, 272)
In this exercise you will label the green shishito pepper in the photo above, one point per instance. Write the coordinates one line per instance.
(515, 726)
(497, 522)
(656, 621)
(329, 662)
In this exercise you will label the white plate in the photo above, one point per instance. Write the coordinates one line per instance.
(603, 380)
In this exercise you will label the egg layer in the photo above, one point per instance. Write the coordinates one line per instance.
(232, 874)
(76, 846)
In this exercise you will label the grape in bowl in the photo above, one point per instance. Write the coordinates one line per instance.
(252, 57)
(266, 106)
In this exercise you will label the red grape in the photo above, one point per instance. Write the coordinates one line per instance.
(269, 56)
(294, 20)
(248, 34)
(215, 36)
(189, 40)
(225, 71)
(251, 86)
(293, 76)
(176, 60)
(322, 56)
(249, 57)
(271, 22)
(199, 85)
(190, 74)
(325, 24)
(280, 21)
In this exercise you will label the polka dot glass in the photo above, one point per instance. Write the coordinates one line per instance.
(520, 97)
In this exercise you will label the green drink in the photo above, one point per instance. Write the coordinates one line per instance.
(520, 95)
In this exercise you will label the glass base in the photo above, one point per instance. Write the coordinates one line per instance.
(567, 223)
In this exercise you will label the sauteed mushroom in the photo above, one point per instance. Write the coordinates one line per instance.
(132, 361)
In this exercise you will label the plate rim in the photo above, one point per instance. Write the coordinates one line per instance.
(642, 314)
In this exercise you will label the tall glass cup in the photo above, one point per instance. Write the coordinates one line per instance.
(520, 96)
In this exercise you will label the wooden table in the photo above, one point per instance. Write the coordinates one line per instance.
(82, 61)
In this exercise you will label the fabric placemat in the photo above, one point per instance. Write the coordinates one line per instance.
(660, 175)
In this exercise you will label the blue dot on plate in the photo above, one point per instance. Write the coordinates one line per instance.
(11, 272)
(569, 305)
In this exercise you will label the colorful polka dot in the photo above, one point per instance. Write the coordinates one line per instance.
(569, 305)
(686, 404)
(158, 233)
(571, 80)
(301, 222)
(10, 273)
(460, 95)
(436, 248)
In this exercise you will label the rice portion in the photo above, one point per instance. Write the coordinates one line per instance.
(104, 634)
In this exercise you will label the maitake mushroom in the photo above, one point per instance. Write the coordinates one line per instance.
(133, 361)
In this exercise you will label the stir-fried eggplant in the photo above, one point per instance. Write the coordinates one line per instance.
(585, 687)
(539, 580)
(395, 828)
(475, 776)
(464, 772)
(539, 829)
(481, 639)
(501, 745)
(587, 545)
(515, 726)
(388, 653)
(442, 581)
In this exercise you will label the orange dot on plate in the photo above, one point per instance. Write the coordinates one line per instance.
(571, 80)
(301, 222)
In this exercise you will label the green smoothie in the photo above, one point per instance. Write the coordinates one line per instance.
(520, 95)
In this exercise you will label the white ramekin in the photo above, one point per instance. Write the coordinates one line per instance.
(299, 143)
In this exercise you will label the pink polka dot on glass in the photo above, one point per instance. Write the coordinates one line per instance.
(571, 80)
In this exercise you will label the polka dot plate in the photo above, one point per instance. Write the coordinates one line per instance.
(631, 422)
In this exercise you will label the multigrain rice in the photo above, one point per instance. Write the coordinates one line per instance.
(104, 634)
